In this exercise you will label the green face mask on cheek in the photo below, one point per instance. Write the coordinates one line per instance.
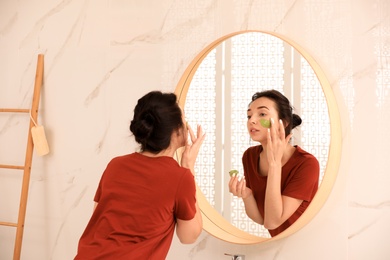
(265, 123)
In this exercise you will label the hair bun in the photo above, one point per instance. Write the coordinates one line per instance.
(296, 120)
(143, 126)
(147, 123)
(148, 119)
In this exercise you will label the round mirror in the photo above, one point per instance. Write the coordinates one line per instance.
(215, 92)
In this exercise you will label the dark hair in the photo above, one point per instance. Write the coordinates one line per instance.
(156, 116)
(283, 107)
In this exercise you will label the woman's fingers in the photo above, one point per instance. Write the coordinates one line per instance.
(240, 188)
(282, 134)
(199, 134)
(237, 185)
(191, 132)
(232, 185)
(276, 140)
(277, 132)
(192, 147)
(273, 129)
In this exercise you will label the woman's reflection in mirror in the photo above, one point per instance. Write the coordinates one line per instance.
(280, 180)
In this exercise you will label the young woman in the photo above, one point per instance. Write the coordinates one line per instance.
(280, 179)
(144, 196)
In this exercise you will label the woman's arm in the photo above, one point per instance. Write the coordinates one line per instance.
(189, 230)
(252, 210)
(277, 208)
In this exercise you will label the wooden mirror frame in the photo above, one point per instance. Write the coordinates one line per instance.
(213, 222)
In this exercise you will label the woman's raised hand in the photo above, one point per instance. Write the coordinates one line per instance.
(276, 142)
(192, 147)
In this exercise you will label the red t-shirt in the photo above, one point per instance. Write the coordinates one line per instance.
(139, 199)
(299, 180)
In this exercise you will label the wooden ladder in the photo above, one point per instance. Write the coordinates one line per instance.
(33, 113)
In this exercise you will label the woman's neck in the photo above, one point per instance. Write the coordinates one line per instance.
(167, 152)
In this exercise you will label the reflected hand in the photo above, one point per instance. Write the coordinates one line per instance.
(237, 186)
(277, 142)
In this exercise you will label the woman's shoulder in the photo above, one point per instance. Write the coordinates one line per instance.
(120, 159)
(302, 151)
(123, 156)
(305, 155)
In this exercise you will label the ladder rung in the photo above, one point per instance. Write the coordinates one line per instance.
(17, 167)
(10, 224)
(14, 110)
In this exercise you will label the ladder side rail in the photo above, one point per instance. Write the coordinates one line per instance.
(28, 160)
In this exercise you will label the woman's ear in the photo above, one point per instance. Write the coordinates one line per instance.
(178, 132)
(181, 133)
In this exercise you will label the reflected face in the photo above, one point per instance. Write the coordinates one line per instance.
(261, 108)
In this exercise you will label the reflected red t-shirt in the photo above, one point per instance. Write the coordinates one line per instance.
(139, 199)
(299, 180)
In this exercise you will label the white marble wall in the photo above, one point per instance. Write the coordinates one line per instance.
(102, 55)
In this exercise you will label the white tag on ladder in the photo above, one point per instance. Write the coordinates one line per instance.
(39, 139)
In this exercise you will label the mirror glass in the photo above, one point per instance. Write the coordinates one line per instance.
(224, 80)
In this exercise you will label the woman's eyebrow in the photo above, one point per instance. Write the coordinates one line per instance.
(260, 107)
